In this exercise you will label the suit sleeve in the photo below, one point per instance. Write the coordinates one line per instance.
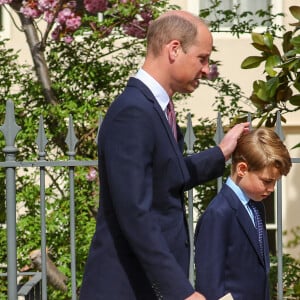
(128, 151)
(211, 238)
(204, 166)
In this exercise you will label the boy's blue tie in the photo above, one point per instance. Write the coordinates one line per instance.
(259, 225)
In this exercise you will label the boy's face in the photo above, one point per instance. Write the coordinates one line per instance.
(258, 184)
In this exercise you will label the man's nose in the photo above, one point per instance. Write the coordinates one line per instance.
(205, 69)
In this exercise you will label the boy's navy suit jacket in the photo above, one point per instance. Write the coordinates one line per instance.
(227, 254)
(140, 249)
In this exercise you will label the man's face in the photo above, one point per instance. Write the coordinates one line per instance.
(192, 64)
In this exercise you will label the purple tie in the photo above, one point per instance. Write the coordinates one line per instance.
(172, 118)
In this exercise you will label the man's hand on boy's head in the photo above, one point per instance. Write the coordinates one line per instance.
(229, 141)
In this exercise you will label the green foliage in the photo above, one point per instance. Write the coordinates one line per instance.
(280, 91)
(291, 277)
(238, 23)
(295, 241)
(86, 77)
(291, 270)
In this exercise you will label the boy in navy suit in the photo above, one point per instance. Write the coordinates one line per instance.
(231, 246)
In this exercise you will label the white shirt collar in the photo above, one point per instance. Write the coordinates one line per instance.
(157, 90)
(242, 197)
(238, 191)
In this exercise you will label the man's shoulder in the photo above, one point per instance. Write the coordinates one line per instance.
(135, 89)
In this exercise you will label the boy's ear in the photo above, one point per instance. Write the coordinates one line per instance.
(242, 169)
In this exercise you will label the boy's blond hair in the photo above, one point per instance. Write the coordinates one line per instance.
(262, 148)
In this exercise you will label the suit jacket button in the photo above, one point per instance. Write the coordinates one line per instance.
(187, 243)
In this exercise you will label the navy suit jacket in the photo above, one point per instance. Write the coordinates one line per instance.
(140, 249)
(227, 254)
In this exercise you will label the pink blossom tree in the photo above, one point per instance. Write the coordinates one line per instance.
(67, 18)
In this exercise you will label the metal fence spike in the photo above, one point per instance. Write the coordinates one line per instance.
(41, 139)
(278, 127)
(189, 137)
(71, 139)
(99, 125)
(10, 128)
(219, 130)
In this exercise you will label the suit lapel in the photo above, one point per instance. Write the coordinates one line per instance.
(177, 146)
(245, 222)
(250, 230)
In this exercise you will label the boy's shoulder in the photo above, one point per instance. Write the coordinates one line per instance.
(225, 199)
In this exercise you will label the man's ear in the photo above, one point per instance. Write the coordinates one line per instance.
(242, 169)
(174, 48)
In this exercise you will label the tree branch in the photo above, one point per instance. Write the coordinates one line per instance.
(38, 58)
(37, 53)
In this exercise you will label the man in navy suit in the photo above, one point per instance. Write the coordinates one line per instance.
(140, 249)
(232, 253)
